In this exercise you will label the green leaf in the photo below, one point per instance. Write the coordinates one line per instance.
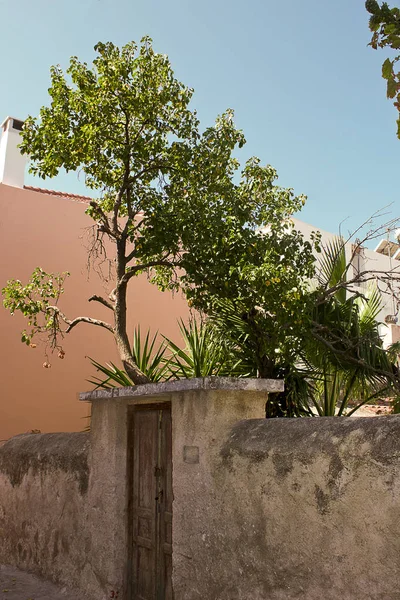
(392, 86)
(390, 28)
(398, 128)
(387, 69)
(374, 23)
(372, 6)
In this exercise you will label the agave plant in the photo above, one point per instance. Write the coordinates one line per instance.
(203, 352)
(149, 356)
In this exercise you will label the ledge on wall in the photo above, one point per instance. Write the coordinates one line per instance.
(184, 385)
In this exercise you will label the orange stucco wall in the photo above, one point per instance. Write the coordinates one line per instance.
(42, 230)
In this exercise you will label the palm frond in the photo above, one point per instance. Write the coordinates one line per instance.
(333, 266)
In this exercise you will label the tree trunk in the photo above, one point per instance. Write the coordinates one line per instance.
(121, 337)
(134, 372)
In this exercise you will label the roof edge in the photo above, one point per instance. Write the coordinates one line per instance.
(39, 190)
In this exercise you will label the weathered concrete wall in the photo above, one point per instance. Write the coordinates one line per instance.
(284, 509)
(200, 521)
(43, 514)
(213, 403)
(267, 510)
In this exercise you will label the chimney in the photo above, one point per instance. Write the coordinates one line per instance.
(12, 163)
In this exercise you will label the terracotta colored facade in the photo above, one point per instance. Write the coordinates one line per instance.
(47, 230)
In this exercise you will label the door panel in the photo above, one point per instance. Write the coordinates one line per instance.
(150, 506)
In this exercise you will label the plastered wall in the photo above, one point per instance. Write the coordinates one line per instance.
(43, 506)
(275, 509)
(41, 230)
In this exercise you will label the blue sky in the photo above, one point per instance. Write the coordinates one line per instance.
(305, 87)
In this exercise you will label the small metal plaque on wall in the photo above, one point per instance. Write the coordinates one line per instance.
(191, 454)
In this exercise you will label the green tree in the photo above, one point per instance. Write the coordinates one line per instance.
(324, 341)
(384, 24)
(170, 200)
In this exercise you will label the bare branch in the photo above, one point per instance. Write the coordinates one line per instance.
(97, 254)
(385, 277)
(372, 234)
(101, 300)
(71, 324)
(102, 217)
(350, 359)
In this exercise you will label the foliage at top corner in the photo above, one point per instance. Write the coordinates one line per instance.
(127, 124)
(384, 23)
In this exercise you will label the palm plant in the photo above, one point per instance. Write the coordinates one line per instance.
(345, 351)
(339, 359)
(255, 350)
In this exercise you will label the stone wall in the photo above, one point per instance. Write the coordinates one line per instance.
(43, 506)
(263, 510)
(302, 508)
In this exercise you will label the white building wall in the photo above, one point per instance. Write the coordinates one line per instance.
(372, 261)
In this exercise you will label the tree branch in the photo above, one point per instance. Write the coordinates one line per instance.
(362, 277)
(71, 324)
(358, 246)
(355, 361)
(125, 184)
(103, 218)
(142, 267)
(117, 206)
(74, 322)
(151, 167)
(132, 217)
(101, 300)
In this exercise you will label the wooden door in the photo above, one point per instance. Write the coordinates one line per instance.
(150, 506)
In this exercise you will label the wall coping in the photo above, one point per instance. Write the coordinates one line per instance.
(184, 385)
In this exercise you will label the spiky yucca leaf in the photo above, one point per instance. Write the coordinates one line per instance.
(202, 355)
(114, 376)
(149, 358)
